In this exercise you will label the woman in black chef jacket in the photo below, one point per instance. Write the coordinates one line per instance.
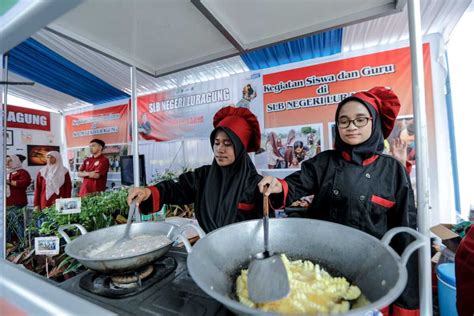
(355, 184)
(224, 192)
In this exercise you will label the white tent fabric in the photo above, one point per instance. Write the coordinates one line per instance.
(42, 95)
(438, 16)
(118, 74)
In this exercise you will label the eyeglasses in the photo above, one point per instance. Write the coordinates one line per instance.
(358, 122)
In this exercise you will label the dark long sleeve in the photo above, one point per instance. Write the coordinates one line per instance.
(183, 191)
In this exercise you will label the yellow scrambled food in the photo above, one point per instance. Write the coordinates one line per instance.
(312, 290)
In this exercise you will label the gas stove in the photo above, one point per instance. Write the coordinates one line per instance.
(168, 290)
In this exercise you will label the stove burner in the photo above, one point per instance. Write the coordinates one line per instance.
(118, 286)
(131, 279)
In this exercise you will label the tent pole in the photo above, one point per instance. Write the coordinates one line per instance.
(422, 180)
(3, 207)
(136, 171)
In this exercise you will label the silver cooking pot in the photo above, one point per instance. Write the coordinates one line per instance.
(77, 247)
(215, 260)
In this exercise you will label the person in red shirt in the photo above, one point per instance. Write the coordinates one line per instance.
(52, 182)
(94, 169)
(18, 180)
(465, 274)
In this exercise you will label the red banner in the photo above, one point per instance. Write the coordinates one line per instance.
(109, 124)
(20, 117)
(310, 94)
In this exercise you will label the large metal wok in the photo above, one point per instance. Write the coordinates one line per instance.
(76, 248)
(371, 264)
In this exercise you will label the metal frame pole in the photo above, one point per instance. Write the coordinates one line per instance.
(136, 165)
(422, 180)
(3, 213)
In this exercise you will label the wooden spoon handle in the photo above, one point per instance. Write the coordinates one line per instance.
(265, 201)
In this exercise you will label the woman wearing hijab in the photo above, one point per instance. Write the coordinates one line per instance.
(52, 182)
(356, 184)
(290, 141)
(224, 192)
(18, 180)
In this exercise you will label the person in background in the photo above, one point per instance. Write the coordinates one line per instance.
(289, 153)
(300, 153)
(52, 182)
(116, 165)
(94, 169)
(356, 184)
(17, 181)
(274, 157)
(21, 157)
(224, 192)
(464, 262)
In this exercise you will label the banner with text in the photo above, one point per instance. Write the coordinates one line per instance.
(310, 94)
(188, 111)
(109, 124)
(21, 117)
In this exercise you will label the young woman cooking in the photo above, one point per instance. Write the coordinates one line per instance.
(224, 192)
(355, 184)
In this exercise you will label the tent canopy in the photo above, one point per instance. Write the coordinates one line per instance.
(168, 36)
(159, 37)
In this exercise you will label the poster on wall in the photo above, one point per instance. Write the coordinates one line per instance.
(109, 124)
(288, 147)
(37, 154)
(26, 118)
(9, 137)
(188, 111)
(309, 95)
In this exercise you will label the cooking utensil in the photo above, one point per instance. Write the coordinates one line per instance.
(126, 234)
(267, 278)
(364, 260)
(78, 247)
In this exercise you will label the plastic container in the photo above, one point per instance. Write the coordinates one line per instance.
(446, 289)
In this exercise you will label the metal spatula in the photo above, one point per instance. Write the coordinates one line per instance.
(126, 234)
(267, 279)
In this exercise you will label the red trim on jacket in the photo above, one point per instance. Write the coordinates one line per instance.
(399, 311)
(284, 186)
(408, 167)
(381, 201)
(155, 195)
(370, 160)
(246, 207)
(347, 157)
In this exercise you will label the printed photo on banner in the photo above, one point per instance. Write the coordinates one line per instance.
(188, 111)
(331, 134)
(68, 206)
(37, 154)
(288, 147)
(9, 137)
(47, 245)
